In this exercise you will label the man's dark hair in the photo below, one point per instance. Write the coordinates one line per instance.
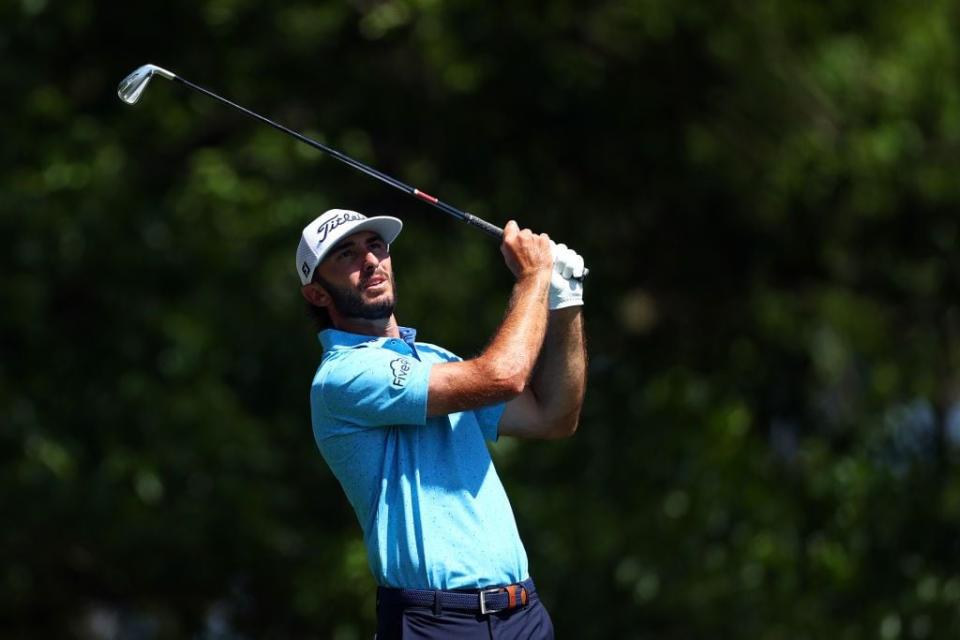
(319, 315)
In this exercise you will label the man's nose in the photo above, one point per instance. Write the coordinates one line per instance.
(370, 260)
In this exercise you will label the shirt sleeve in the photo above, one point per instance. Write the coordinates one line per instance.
(375, 387)
(489, 420)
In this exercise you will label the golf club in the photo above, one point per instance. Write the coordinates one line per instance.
(133, 86)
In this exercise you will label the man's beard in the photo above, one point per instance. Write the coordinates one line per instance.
(348, 302)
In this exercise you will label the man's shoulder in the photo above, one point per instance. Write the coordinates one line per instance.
(437, 352)
(374, 361)
(354, 355)
(370, 384)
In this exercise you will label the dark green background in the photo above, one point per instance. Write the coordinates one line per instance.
(766, 195)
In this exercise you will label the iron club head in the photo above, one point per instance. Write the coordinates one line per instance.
(133, 85)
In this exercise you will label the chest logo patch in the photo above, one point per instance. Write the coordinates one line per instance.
(401, 370)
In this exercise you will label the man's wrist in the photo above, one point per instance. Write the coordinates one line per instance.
(567, 304)
(567, 310)
(532, 278)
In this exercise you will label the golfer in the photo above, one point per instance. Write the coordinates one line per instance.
(403, 424)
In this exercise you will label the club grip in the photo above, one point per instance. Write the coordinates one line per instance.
(483, 225)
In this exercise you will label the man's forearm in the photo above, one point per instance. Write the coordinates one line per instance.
(559, 379)
(513, 350)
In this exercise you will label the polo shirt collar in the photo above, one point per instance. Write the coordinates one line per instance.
(334, 338)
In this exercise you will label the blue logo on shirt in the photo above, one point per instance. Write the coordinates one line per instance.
(401, 369)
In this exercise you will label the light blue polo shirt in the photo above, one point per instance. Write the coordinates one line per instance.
(433, 510)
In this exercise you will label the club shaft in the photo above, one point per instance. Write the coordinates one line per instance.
(469, 218)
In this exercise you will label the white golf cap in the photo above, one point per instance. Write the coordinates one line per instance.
(331, 227)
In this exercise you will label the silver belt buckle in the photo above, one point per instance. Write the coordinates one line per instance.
(483, 603)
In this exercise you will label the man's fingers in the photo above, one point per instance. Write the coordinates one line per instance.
(573, 265)
(564, 260)
(578, 266)
(546, 244)
(568, 262)
(525, 250)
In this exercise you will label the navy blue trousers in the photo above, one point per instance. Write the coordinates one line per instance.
(422, 623)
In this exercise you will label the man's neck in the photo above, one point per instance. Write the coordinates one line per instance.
(385, 328)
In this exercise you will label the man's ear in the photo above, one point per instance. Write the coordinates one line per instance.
(315, 294)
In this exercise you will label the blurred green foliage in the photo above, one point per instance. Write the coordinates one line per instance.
(765, 193)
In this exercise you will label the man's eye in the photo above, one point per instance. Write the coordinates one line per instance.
(346, 253)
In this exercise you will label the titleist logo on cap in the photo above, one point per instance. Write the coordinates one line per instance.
(329, 225)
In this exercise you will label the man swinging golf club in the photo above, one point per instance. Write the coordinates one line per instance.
(403, 424)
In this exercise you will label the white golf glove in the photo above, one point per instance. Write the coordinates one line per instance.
(566, 286)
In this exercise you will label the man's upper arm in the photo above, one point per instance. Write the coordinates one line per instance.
(469, 385)
(455, 386)
(375, 387)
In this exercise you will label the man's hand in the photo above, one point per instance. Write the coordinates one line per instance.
(566, 286)
(525, 252)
